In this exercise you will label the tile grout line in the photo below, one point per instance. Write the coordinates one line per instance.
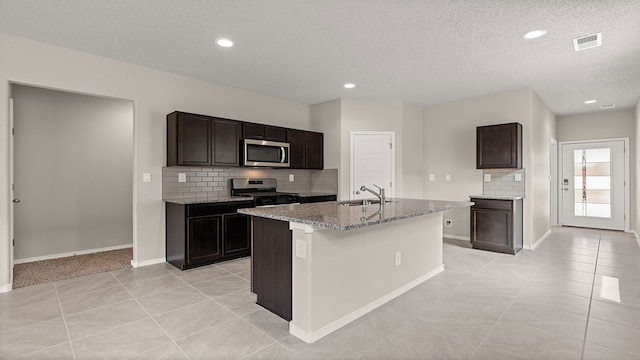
(64, 320)
(511, 304)
(593, 284)
(226, 309)
(151, 317)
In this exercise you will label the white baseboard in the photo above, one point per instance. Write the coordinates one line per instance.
(539, 241)
(6, 288)
(456, 237)
(313, 336)
(137, 264)
(61, 255)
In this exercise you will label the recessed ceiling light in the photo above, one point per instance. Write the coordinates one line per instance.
(224, 42)
(534, 34)
(349, 86)
(590, 101)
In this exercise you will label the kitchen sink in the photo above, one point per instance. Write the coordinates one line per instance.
(360, 202)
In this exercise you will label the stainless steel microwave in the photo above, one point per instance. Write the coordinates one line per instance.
(265, 153)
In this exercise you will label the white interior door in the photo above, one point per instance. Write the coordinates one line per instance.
(372, 163)
(593, 184)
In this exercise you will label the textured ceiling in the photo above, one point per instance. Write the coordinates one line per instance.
(424, 52)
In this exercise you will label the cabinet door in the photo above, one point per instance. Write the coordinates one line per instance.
(275, 133)
(492, 229)
(236, 234)
(252, 131)
(296, 140)
(226, 142)
(193, 140)
(499, 146)
(314, 157)
(204, 240)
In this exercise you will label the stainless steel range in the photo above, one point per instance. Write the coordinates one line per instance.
(263, 191)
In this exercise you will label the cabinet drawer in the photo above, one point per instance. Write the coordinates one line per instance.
(217, 209)
(492, 204)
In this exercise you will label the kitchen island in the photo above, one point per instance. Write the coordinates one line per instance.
(323, 265)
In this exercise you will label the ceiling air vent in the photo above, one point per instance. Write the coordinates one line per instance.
(608, 106)
(587, 41)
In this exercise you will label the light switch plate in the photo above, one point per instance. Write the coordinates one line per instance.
(291, 177)
(518, 177)
(146, 177)
(182, 177)
(487, 177)
(432, 177)
(447, 177)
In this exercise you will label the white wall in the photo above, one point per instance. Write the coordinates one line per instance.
(606, 125)
(542, 129)
(450, 147)
(412, 147)
(325, 118)
(155, 94)
(73, 172)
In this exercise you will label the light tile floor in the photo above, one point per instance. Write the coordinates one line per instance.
(577, 296)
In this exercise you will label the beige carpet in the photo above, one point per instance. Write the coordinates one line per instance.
(39, 272)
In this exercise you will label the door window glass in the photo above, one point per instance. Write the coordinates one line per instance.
(592, 182)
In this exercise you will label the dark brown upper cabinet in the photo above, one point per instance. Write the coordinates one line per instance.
(314, 150)
(296, 140)
(263, 132)
(226, 142)
(499, 146)
(188, 139)
(202, 140)
(306, 149)
(199, 140)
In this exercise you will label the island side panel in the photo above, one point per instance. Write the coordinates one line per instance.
(342, 275)
(271, 265)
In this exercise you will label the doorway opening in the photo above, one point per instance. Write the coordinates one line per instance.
(593, 184)
(72, 159)
(372, 163)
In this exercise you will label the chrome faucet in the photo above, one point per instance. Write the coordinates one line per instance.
(379, 195)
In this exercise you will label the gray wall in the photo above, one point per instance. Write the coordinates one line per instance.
(605, 125)
(636, 224)
(450, 148)
(73, 172)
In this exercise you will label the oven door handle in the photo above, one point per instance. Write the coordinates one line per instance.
(283, 155)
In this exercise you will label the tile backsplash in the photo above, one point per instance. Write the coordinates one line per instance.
(205, 182)
(503, 182)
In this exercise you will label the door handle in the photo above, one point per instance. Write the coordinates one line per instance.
(566, 189)
(15, 201)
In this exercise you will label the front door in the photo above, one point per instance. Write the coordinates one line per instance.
(593, 184)
(372, 163)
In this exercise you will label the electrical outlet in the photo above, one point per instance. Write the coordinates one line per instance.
(182, 177)
(447, 177)
(398, 259)
(448, 222)
(487, 177)
(301, 249)
(518, 177)
(432, 177)
(146, 177)
(291, 177)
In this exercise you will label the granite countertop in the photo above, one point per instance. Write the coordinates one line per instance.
(498, 197)
(209, 199)
(331, 215)
(310, 194)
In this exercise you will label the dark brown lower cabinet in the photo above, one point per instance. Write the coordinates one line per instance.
(201, 234)
(496, 225)
(271, 265)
